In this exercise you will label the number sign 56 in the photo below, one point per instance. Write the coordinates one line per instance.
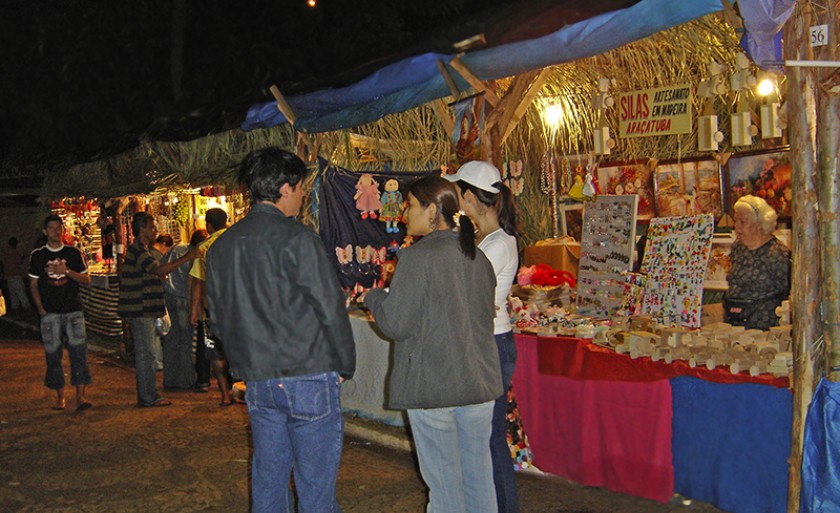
(819, 35)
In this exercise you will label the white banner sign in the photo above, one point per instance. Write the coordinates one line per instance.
(661, 111)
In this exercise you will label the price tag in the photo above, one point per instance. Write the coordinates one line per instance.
(819, 35)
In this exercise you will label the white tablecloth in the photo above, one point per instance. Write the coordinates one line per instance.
(365, 394)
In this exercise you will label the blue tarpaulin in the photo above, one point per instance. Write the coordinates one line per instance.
(820, 456)
(415, 81)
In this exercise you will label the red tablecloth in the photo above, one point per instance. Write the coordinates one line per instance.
(599, 433)
(580, 359)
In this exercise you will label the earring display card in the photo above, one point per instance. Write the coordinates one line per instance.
(675, 262)
(606, 251)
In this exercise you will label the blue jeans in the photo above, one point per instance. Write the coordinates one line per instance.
(178, 369)
(503, 475)
(454, 454)
(54, 327)
(143, 332)
(295, 423)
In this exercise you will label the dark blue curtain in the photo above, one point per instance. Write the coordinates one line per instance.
(341, 224)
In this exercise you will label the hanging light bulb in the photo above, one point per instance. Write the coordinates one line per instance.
(552, 114)
(766, 87)
(311, 3)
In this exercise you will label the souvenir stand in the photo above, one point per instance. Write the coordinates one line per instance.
(634, 416)
(640, 394)
(96, 229)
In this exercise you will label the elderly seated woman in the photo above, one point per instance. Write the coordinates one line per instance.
(759, 278)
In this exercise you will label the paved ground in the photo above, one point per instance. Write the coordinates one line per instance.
(193, 456)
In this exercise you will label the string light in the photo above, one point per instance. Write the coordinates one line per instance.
(311, 3)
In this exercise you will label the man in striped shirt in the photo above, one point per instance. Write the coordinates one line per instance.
(141, 302)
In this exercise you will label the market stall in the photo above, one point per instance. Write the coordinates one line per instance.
(672, 120)
(602, 419)
(98, 231)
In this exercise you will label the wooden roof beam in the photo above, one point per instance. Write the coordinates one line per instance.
(450, 82)
(442, 113)
(283, 105)
(516, 102)
(479, 85)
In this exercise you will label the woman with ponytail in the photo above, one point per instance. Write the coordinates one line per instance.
(439, 310)
(489, 204)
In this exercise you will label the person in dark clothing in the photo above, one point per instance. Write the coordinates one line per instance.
(276, 303)
(55, 272)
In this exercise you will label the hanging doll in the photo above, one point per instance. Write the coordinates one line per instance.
(367, 196)
(588, 187)
(591, 188)
(576, 191)
(391, 201)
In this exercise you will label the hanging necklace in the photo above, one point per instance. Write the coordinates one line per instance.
(547, 172)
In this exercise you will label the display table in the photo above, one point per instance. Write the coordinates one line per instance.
(100, 300)
(602, 419)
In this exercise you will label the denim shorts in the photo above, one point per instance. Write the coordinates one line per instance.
(56, 325)
(55, 329)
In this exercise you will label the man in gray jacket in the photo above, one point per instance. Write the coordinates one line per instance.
(275, 301)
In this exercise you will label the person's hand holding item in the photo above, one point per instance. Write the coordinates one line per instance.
(57, 267)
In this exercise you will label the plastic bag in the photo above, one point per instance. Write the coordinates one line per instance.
(163, 324)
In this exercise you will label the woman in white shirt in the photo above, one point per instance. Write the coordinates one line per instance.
(489, 204)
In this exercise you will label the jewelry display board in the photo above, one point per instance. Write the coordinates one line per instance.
(606, 251)
(675, 262)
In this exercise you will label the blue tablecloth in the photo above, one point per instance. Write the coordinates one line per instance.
(731, 444)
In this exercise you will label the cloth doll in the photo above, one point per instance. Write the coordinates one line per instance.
(576, 192)
(391, 201)
(367, 196)
(588, 187)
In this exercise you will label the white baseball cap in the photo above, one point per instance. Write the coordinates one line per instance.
(478, 174)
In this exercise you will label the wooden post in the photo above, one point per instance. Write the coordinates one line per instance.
(828, 152)
(805, 290)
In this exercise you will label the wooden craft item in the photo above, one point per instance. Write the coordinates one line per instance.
(758, 368)
(767, 351)
(642, 322)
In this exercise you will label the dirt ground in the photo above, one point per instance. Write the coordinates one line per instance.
(193, 456)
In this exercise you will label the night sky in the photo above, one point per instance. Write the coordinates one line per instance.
(83, 80)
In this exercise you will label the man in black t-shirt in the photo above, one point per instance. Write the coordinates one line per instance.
(55, 272)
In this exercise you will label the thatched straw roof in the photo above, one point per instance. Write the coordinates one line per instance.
(416, 139)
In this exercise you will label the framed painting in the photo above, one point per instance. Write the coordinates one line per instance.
(688, 188)
(719, 263)
(629, 178)
(766, 175)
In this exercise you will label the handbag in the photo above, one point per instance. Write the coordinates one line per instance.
(2, 306)
(163, 323)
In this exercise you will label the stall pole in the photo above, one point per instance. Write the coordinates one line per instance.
(828, 152)
(805, 290)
